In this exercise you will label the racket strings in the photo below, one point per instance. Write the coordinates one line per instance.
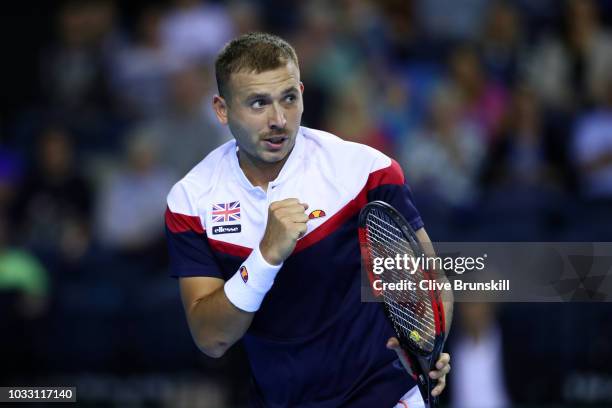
(410, 310)
(407, 325)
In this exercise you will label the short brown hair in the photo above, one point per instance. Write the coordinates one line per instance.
(255, 52)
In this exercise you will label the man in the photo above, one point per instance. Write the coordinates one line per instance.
(263, 237)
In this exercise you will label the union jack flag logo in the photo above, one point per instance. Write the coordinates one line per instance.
(226, 212)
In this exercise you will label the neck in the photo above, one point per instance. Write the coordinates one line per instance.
(257, 172)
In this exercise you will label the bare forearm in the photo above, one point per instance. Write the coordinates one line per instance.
(216, 324)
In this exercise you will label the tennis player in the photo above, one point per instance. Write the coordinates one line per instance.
(262, 235)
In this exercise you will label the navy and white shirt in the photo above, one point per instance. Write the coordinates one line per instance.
(313, 343)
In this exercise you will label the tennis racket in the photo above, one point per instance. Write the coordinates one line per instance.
(416, 315)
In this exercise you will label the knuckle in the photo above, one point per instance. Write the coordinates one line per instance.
(296, 208)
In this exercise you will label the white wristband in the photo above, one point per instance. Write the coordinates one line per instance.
(247, 288)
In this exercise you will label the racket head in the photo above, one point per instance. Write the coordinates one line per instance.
(417, 315)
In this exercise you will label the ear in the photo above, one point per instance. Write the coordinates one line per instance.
(220, 108)
(301, 87)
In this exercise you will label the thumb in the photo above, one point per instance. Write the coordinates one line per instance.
(393, 344)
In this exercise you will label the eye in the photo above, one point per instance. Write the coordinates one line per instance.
(258, 104)
(290, 98)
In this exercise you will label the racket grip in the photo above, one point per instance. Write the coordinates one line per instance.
(425, 385)
(431, 401)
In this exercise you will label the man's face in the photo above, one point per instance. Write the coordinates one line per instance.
(263, 111)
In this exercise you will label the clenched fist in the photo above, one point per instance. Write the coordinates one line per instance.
(286, 224)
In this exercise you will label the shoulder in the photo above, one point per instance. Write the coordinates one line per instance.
(349, 161)
(201, 180)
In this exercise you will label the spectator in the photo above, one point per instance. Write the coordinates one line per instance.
(24, 300)
(390, 30)
(593, 150)
(483, 101)
(443, 158)
(129, 205)
(194, 31)
(329, 61)
(54, 204)
(397, 111)
(187, 131)
(323, 66)
(73, 71)
(22, 272)
(501, 43)
(479, 375)
(351, 118)
(142, 71)
(520, 156)
(568, 71)
(451, 20)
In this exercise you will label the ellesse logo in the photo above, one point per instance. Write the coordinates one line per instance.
(226, 229)
(244, 273)
(316, 214)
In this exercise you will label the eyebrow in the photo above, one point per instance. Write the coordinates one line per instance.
(289, 90)
(266, 96)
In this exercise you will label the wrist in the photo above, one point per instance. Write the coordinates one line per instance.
(249, 285)
(268, 255)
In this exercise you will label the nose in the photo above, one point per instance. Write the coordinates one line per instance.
(276, 118)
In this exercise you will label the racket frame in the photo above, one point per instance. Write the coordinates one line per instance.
(421, 362)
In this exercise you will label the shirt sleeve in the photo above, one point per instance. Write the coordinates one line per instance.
(389, 185)
(190, 253)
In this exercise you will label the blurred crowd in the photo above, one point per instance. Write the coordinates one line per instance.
(500, 113)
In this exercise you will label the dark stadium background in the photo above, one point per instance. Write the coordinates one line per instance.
(486, 104)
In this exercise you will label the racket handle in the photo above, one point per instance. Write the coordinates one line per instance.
(431, 401)
(425, 386)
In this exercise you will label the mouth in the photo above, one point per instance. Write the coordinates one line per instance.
(275, 142)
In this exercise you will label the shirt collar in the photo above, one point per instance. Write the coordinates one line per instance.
(293, 164)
